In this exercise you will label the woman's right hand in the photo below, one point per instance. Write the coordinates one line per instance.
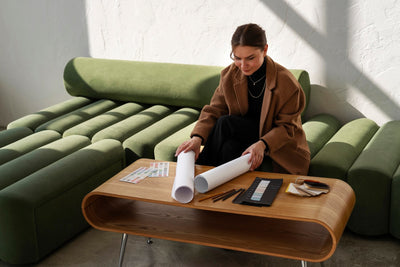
(193, 144)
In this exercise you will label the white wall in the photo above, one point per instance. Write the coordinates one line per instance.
(37, 38)
(350, 48)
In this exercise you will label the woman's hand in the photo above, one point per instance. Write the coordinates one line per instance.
(193, 144)
(256, 151)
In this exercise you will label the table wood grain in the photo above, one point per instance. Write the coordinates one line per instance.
(303, 228)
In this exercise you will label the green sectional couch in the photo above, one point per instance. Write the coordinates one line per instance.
(121, 111)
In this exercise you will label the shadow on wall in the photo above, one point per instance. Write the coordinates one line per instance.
(326, 101)
(37, 39)
(333, 49)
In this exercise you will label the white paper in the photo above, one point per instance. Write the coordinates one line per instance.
(182, 189)
(208, 180)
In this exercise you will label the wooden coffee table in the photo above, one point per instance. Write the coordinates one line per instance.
(302, 228)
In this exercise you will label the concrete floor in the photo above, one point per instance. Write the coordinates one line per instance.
(98, 248)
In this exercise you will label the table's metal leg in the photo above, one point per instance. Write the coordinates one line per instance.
(304, 264)
(122, 250)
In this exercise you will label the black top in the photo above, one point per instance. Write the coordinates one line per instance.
(256, 84)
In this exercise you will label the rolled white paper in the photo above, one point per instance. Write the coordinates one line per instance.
(182, 189)
(210, 179)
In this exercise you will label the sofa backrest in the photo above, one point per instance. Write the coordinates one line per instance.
(148, 82)
(144, 82)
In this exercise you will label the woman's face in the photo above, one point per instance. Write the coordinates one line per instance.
(249, 58)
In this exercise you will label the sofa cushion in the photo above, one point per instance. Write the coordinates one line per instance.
(319, 129)
(143, 82)
(134, 124)
(141, 145)
(44, 209)
(92, 126)
(165, 150)
(340, 152)
(32, 121)
(11, 135)
(39, 158)
(27, 144)
(64, 122)
(371, 178)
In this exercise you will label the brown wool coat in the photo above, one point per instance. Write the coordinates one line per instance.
(280, 120)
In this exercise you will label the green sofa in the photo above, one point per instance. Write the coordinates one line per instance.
(121, 111)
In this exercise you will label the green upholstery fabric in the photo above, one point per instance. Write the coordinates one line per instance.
(371, 178)
(149, 82)
(143, 82)
(395, 205)
(44, 209)
(304, 80)
(32, 121)
(319, 130)
(165, 150)
(91, 127)
(39, 158)
(337, 156)
(130, 126)
(141, 145)
(27, 144)
(11, 135)
(62, 123)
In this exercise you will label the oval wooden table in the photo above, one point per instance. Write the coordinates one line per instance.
(302, 228)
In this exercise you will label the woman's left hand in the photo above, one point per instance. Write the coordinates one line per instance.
(256, 151)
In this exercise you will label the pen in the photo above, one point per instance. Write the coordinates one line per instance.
(214, 195)
(223, 195)
(231, 194)
(241, 190)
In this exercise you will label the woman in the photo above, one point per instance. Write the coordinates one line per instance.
(255, 109)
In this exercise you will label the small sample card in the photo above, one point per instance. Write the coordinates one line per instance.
(156, 169)
(258, 193)
(137, 175)
(160, 169)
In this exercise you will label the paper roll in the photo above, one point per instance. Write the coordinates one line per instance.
(208, 180)
(182, 189)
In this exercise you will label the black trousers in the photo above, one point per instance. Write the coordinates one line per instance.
(230, 136)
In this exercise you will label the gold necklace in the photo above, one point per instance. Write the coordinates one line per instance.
(254, 82)
(262, 91)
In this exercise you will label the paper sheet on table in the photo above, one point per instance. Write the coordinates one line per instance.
(208, 180)
(182, 189)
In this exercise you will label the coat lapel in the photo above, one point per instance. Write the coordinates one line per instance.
(271, 83)
(240, 89)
